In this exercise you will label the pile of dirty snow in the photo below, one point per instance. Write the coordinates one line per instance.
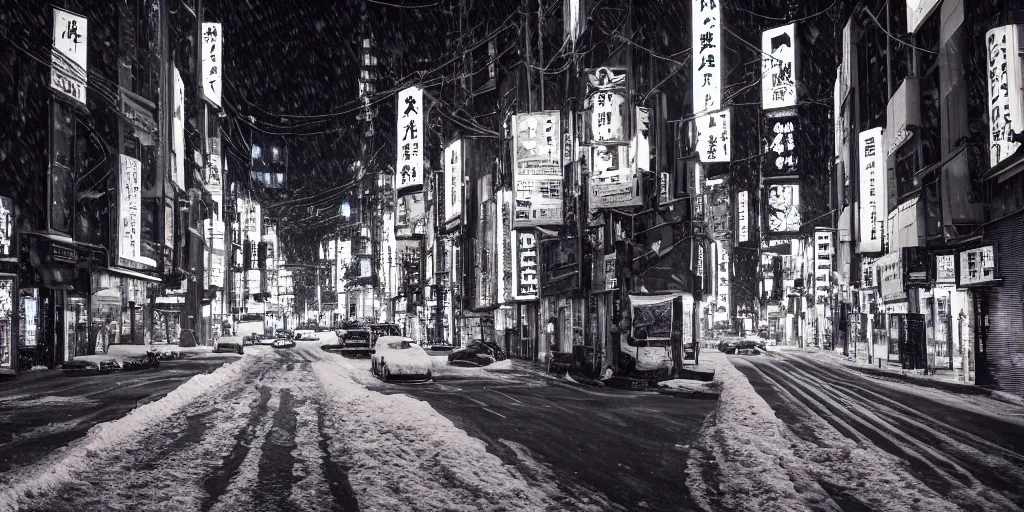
(689, 385)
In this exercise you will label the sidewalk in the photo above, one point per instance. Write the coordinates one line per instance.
(942, 380)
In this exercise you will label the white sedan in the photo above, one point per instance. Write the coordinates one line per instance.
(398, 357)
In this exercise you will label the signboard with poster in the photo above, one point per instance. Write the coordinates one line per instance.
(452, 189)
(778, 70)
(537, 166)
(945, 268)
(977, 267)
(872, 190)
(782, 208)
(525, 271)
(713, 137)
(613, 182)
(1004, 94)
(129, 215)
(68, 56)
(409, 168)
(605, 106)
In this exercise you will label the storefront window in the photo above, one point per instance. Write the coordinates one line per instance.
(28, 316)
(6, 321)
(106, 311)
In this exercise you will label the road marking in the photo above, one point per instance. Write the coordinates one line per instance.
(495, 413)
(506, 396)
(474, 400)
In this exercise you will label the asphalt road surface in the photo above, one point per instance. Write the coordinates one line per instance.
(42, 411)
(970, 453)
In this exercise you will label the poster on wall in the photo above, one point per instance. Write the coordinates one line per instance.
(945, 268)
(778, 70)
(1004, 94)
(613, 182)
(782, 208)
(68, 56)
(409, 168)
(713, 137)
(706, 30)
(977, 266)
(742, 221)
(452, 190)
(537, 165)
(605, 106)
(212, 66)
(872, 190)
(780, 145)
(525, 270)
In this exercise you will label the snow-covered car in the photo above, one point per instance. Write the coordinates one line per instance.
(229, 344)
(398, 357)
(284, 343)
(477, 353)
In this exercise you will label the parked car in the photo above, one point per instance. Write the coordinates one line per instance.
(284, 343)
(398, 357)
(229, 344)
(737, 346)
(477, 353)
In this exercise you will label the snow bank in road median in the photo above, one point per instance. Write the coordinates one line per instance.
(404, 455)
(688, 385)
(22, 484)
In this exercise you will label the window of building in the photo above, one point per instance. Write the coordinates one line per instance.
(28, 316)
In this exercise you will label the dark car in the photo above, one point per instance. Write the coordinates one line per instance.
(477, 353)
(285, 342)
(739, 346)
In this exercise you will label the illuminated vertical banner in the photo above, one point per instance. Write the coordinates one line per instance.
(409, 169)
(822, 250)
(743, 226)
(1004, 94)
(778, 67)
(525, 270)
(537, 166)
(713, 137)
(707, 55)
(212, 66)
(389, 257)
(453, 173)
(872, 190)
(68, 57)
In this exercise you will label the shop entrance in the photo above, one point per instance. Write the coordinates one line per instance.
(76, 327)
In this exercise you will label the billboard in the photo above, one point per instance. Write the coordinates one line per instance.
(1004, 93)
(743, 224)
(525, 271)
(872, 190)
(409, 168)
(782, 208)
(453, 177)
(778, 68)
(613, 181)
(780, 145)
(713, 144)
(537, 167)
(212, 66)
(129, 213)
(706, 32)
(605, 106)
(68, 56)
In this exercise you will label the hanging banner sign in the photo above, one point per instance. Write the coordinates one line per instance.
(706, 31)
(503, 235)
(778, 77)
(606, 106)
(410, 139)
(453, 173)
(178, 131)
(1004, 93)
(6, 228)
(713, 141)
(872, 190)
(743, 228)
(129, 212)
(68, 57)
(525, 269)
(537, 169)
(780, 145)
(212, 67)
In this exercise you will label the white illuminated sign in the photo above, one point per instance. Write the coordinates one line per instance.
(778, 70)
(872, 190)
(537, 166)
(178, 131)
(213, 67)
(783, 208)
(68, 57)
(713, 137)
(452, 190)
(525, 271)
(129, 212)
(1004, 93)
(409, 169)
(706, 41)
(743, 233)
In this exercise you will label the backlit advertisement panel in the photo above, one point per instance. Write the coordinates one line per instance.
(872, 190)
(525, 270)
(409, 168)
(537, 165)
(706, 30)
(778, 70)
(782, 208)
(453, 173)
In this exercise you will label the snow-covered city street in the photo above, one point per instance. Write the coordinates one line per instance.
(306, 429)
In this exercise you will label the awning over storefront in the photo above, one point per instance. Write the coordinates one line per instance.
(133, 274)
(1008, 168)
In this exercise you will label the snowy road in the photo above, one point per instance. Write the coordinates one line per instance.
(864, 444)
(289, 430)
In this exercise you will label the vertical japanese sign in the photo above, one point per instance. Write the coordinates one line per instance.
(713, 140)
(822, 250)
(743, 226)
(1004, 92)
(68, 57)
(872, 190)
(214, 181)
(537, 165)
(178, 131)
(6, 322)
(945, 268)
(453, 173)
(525, 271)
(503, 268)
(129, 212)
(212, 67)
(780, 146)
(778, 57)
(6, 227)
(782, 208)
(606, 105)
(707, 55)
(409, 169)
